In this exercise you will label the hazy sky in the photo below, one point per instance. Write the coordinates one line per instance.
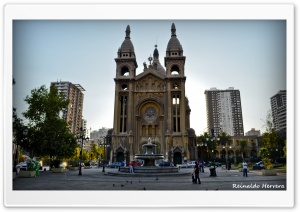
(247, 55)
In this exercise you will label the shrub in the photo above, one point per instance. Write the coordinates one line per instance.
(267, 163)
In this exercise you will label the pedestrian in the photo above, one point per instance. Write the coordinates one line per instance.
(131, 167)
(196, 172)
(201, 167)
(245, 169)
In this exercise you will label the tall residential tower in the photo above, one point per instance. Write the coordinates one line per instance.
(224, 111)
(72, 114)
(278, 106)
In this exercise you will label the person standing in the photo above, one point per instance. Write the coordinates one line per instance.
(245, 169)
(196, 172)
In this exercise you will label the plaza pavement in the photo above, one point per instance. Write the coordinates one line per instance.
(112, 179)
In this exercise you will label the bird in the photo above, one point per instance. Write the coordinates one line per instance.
(131, 182)
(139, 181)
(127, 181)
(122, 185)
(113, 185)
(144, 188)
(156, 178)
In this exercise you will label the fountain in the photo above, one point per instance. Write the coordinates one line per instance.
(149, 157)
(149, 161)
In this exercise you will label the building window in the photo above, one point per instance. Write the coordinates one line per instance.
(176, 113)
(125, 71)
(123, 113)
(174, 70)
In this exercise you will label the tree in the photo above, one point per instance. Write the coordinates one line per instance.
(244, 147)
(48, 133)
(225, 139)
(264, 152)
(272, 139)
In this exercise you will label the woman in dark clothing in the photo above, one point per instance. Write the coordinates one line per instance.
(196, 171)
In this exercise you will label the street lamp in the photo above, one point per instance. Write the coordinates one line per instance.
(212, 138)
(201, 145)
(104, 142)
(225, 147)
(80, 139)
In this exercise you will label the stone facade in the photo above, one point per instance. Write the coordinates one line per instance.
(152, 104)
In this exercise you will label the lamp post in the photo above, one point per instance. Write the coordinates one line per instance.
(225, 147)
(212, 138)
(81, 138)
(104, 142)
(201, 145)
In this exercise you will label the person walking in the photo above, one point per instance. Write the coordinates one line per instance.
(201, 166)
(131, 167)
(196, 173)
(245, 169)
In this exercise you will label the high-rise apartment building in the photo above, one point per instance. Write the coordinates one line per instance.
(278, 106)
(72, 114)
(224, 111)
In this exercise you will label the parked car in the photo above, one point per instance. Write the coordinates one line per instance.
(260, 164)
(183, 165)
(191, 164)
(211, 164)
(22, 166)
(114, 165)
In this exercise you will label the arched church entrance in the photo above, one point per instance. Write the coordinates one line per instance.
(177, 158)
(120, 157)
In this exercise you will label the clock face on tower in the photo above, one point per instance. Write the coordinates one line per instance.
(150, 113)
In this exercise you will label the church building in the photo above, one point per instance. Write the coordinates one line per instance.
(152, 104)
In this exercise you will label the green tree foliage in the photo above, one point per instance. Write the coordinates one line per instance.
(264, 152)
(48, 133)
(272, 139)
(284, 148)
(225, 139)
(244, 147)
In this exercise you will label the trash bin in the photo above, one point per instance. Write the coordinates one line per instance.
(212, 172)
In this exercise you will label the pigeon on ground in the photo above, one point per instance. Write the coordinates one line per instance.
(144, 188)
(122, 185)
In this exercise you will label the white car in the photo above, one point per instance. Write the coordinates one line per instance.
(183, 165)
(191, 164)
(22, 166)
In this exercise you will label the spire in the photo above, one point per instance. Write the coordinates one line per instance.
(173, 30)
(155, 53)
(127, 31)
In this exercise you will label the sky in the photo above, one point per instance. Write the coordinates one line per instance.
(249, 55)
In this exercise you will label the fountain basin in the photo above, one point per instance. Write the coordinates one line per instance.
(151, 169)
(149, 159)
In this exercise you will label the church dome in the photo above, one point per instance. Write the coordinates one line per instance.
(174, 44)
(127, 46)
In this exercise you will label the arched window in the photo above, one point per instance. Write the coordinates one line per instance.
(175, 70)
(124, 87)
(125, 71)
